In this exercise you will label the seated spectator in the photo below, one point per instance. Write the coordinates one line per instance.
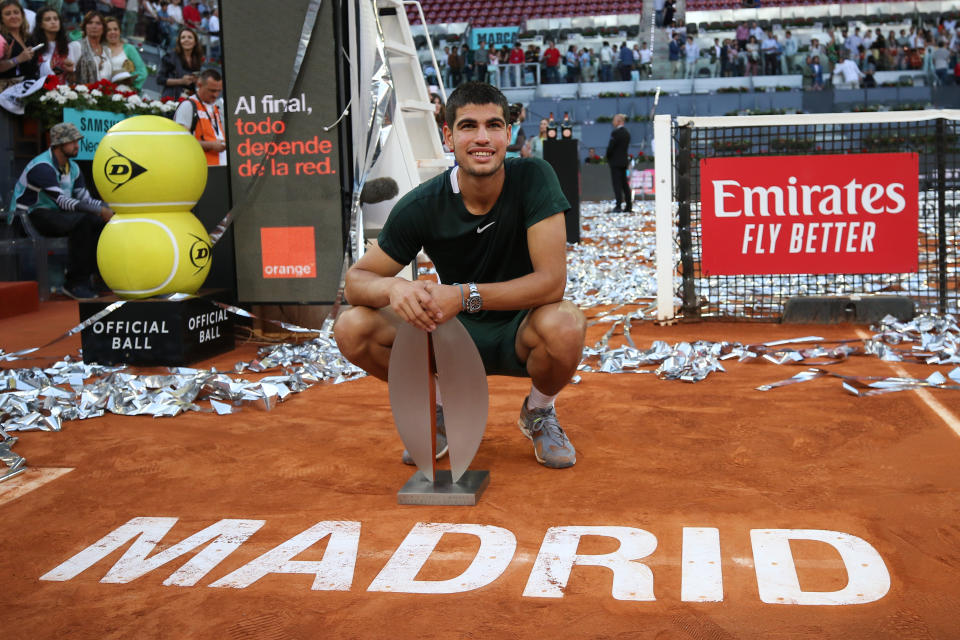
(92, 58)
(124, 58)
(200, 115)
(51, 190)
(18, 58)
(54, 58)
(179, 68)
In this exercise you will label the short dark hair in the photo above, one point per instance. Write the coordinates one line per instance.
(475, 93)
(210, 74)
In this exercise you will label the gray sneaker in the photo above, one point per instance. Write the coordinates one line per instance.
(550, 444)
(441, 440)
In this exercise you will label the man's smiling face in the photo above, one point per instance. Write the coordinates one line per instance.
(479, 138)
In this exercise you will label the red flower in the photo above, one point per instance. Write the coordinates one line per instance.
(51, 83)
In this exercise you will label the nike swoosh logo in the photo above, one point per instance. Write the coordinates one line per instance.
(486, 226)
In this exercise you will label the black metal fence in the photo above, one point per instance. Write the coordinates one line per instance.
(934, 287)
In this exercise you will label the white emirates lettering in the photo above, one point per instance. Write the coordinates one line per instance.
(731, 199)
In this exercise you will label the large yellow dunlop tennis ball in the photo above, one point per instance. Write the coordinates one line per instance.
(149, 164)
(143, 255)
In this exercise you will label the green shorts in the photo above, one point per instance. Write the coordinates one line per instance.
(496, 342)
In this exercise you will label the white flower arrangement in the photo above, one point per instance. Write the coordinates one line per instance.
(48, 105)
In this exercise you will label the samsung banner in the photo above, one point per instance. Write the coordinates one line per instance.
(285, 168)
(809, 214)
(93, 125)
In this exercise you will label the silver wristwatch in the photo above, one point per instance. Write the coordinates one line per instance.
(474, 301)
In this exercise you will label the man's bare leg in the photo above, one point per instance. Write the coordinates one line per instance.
(551, 340)
(365, 337)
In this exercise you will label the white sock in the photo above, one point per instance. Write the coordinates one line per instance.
(538, 400)
(436, 384)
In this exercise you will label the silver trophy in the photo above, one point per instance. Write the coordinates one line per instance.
(449, 354)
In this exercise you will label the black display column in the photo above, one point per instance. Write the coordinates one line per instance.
(564, 157)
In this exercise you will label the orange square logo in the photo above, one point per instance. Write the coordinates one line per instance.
(288, 252)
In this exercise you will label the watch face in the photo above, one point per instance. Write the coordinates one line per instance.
(474, 302)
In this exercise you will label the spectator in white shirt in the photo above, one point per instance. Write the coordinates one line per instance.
(646, 60)
(847, 71)
(771, 54)
(606, 62)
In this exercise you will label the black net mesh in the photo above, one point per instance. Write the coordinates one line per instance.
(935, 287)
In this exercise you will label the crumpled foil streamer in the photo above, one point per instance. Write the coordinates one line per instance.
(382, 109)
(306, 34)
(614, 262)
(15, 464)
(35, 399)
(933, 339)
(872, 385)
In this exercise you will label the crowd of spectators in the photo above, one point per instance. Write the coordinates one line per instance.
(83, 41)
(850, 56)
(514, 66)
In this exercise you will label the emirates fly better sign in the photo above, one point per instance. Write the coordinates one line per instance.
(809, 214)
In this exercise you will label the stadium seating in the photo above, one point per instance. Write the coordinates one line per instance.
(515, 12)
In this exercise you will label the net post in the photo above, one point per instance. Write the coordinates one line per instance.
(941, 214)
(663, 200)
(690, 307)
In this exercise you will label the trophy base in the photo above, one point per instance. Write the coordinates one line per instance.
(444, 491)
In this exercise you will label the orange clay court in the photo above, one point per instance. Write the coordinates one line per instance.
(683, 473)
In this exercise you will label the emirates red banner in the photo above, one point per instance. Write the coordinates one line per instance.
(809, 214)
